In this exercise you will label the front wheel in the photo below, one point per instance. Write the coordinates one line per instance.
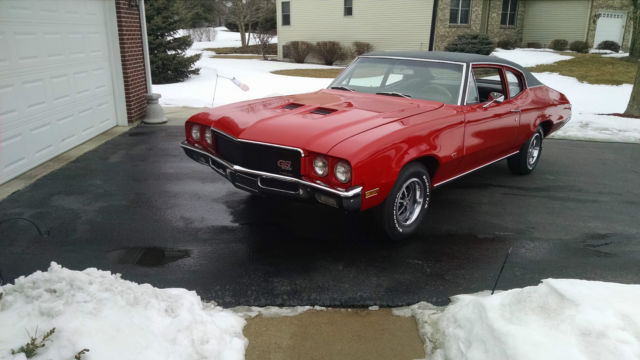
(404, 208)
(527, 158)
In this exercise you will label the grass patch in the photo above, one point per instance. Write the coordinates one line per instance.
(272, 49)
(243, 57)
(594, 69)
(312, 73)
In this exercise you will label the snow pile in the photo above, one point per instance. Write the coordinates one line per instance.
(558, 319)
(530, 57)
(114, 318)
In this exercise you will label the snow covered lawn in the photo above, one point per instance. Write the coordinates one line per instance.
(558, 319)
(119, 319)
(589, 101)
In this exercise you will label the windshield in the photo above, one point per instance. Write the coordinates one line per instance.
(418, 79)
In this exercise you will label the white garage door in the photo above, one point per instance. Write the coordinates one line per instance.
(56, 78)
(610, 26)
(546, 20)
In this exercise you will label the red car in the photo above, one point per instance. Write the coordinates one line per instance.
(390, 128)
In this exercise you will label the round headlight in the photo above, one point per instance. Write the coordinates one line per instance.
(321, 166)
(343, 172)
(195, 132)
(208, 137)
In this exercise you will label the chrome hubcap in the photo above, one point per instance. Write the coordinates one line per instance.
(534, 150)
(409, 202)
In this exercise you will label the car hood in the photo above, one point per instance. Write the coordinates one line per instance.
(315, 121)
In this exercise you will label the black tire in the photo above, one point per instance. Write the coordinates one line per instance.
(399, 222)
(525, 161)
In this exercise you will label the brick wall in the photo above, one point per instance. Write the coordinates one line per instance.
(132, 57)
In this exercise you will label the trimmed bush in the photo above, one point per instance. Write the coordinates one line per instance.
(507, 44)
(472, 43)
(330, 51)
(609, 45)
(299, 50)
(361, 47)
(579, 46)
(559, 44)
(534, 45)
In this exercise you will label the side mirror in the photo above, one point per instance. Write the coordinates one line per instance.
(494, 97)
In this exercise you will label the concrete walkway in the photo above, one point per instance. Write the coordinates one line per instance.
(350, 334)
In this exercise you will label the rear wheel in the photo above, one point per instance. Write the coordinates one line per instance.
(528, 157)
(404, 208)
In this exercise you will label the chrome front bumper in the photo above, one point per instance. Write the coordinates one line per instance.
(261, 182)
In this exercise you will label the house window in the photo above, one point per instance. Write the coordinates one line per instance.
(286, 13)
(509, 8)
(348, 7)
(460, 12)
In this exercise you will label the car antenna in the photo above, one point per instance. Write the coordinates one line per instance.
(501, 268)
(238, 83)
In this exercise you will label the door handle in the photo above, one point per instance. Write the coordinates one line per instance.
(515, 110)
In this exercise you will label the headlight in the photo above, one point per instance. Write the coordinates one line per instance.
(321, 166)
(343, 172)
(195, 132)
(208, 137)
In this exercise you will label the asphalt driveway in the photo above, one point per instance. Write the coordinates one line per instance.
(137, 206)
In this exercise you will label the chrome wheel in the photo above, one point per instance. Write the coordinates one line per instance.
(409, 202)
(534, 150)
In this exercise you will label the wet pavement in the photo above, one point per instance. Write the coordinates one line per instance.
(138, 206)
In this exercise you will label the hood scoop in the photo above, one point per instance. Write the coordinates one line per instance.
(292, 106)
(323, 111)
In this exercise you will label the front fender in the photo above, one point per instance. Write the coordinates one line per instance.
(377, 156)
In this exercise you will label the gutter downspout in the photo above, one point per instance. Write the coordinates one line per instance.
(434, 19)
(155, 114)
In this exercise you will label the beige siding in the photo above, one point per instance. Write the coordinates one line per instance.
(546, 20)
(387, 25)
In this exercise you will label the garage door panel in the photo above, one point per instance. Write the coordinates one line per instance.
(8, 104)
(14, 153)
(60, 88)
(7, 46)
(56, 90)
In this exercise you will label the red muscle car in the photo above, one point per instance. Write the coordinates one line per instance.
(390, 128)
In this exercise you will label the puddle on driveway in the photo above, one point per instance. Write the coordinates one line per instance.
(147, 256)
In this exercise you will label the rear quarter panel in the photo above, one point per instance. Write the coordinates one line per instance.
(539, 105)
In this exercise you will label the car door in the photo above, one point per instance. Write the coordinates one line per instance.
(490, 124)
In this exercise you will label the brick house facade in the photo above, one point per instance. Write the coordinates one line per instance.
(484, 18)
(569, 20)
(132, 58)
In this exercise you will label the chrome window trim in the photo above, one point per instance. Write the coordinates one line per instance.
(464, 69)
(344, 194)
(524, 78)
(258, 142)
(474, 169)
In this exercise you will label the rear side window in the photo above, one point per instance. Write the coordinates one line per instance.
(515, 83)
(487, 80)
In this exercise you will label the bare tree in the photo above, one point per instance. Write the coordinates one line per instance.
(263, 39)
(635, 37)
(633, 109)
(245, 13)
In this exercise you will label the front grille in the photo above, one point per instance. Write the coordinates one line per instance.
(258, 157)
